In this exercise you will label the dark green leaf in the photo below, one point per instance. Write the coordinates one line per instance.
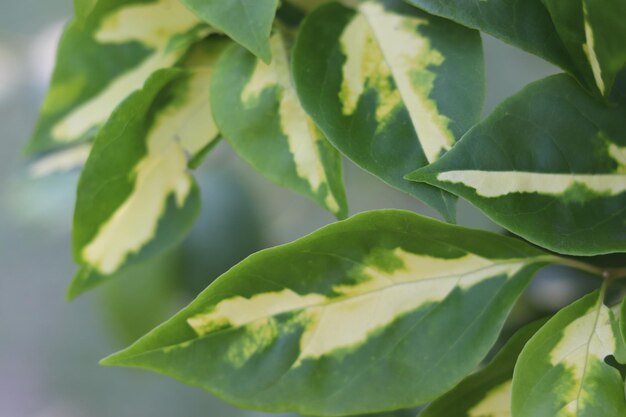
(247, 22)
(594, 34)
(487, 393)
(549, 164)
(522, 23)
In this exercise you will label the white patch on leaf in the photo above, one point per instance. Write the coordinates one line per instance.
(497, 402)
(380, 44)
(491, 184)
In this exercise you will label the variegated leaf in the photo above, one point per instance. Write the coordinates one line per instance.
(135, 197)
(549, 164)
(594, 33)
(487, 393)
(562, 373)
(247, 22)
(391, 87)
(383, 311)
(258, 112)
(105, 54)
(522, 23)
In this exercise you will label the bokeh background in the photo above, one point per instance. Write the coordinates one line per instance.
(49, 349)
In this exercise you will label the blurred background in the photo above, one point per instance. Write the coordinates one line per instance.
(49, 349)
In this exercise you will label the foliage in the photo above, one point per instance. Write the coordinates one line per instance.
(385, 310)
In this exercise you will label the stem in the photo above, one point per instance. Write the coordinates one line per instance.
(609, 274)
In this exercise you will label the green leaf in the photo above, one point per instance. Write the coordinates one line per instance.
(522, 23)
(383, 311)
(487, 393)
(549, 164)
(619, 322)
(105, 54)
(82, 8)
(561, 371)
(593, 32)
(248, 22)
(391, 87)
(135, 198)
(257, 110)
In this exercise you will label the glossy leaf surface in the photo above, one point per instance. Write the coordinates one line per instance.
(383, 311)
(247, 22)
(549, 164)
(258, 112)
(390, 86)
(562, 372)
(487, 393)
(135, 197)
(105, 54)
(593, 31)
(522, 23)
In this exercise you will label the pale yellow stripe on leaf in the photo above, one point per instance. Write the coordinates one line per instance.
(152, 24)
(492, 184)
(240, 311)
(420, 267)
(354, 44)
(61, 161)
(95, 111)
(161, 173)
(191, 123)
(302, 135)
(590, 52)
(497, 403)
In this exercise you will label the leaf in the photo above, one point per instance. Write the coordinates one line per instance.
(257, 110)
(135, 198)
(82, 8)
(549, 164)
(390, 86)
(561, 371)
(248, 22)
(383, 311)
(619, 328)
(105, 54)
(487, 393)
(522, 23)
(593, 32)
